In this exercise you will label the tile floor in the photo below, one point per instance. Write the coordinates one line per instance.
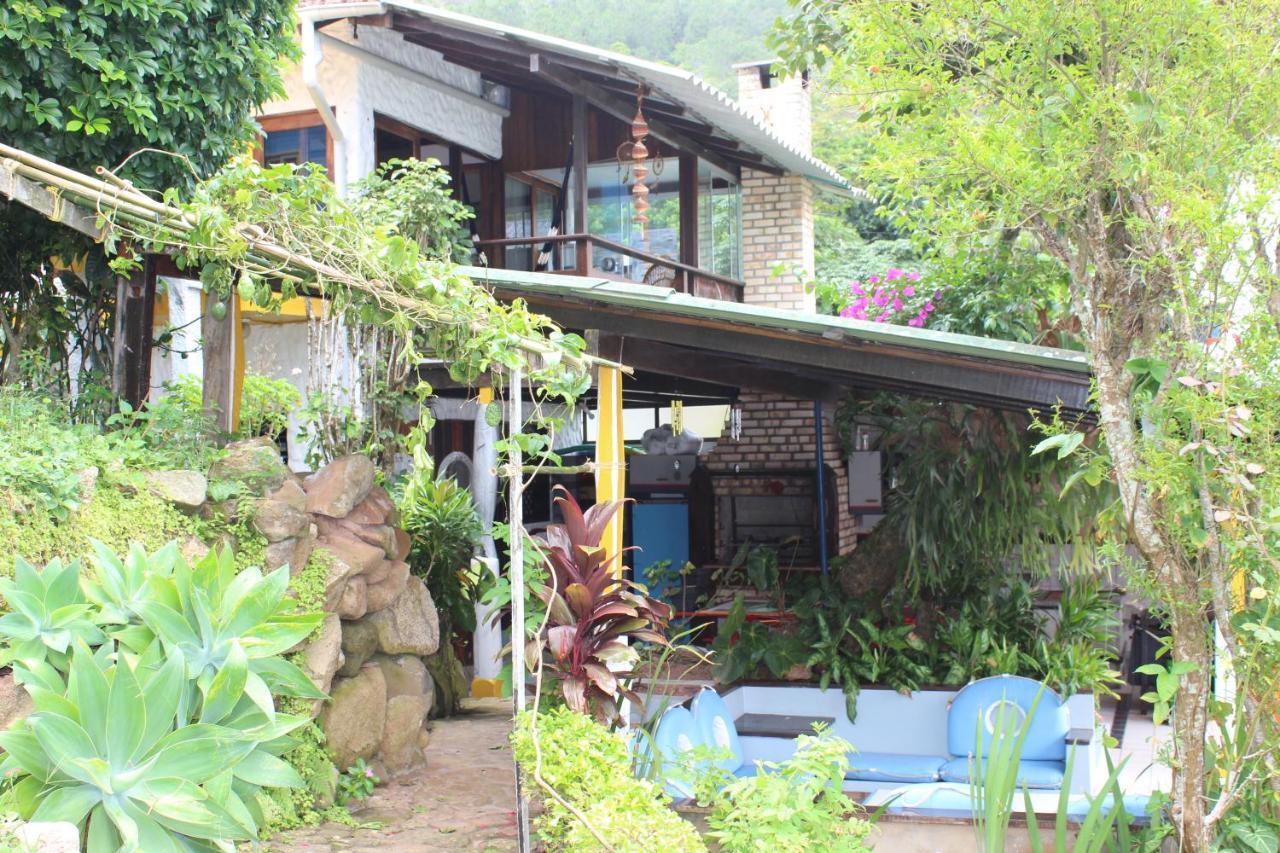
(1141, 742)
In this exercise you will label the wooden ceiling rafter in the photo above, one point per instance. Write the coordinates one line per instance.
(624, 110)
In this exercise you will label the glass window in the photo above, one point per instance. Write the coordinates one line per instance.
(531, 202)
(299, 145)
(610, 214)
(519, 223)
(719, 221)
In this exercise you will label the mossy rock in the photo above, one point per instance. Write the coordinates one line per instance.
(254, 463)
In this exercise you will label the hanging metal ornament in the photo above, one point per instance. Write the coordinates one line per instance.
(635, 164)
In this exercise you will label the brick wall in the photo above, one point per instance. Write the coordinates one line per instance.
(777, 210)
(777, 240)
(778, 435)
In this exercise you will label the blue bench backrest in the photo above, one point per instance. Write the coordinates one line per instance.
(716, 728)
(982, 700)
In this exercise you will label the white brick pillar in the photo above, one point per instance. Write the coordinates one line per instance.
(777, 210)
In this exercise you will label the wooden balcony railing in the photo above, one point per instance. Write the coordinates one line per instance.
(658, 271)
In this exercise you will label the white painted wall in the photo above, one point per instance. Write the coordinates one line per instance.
(357, 90)
(184, 316)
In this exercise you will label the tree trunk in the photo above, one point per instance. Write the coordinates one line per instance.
(1179, 585)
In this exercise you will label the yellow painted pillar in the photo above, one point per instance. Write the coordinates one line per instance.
(611, 464)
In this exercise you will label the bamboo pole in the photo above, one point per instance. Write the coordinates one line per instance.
(129, 205)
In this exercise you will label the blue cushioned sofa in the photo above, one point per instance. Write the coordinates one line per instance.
(929, 736)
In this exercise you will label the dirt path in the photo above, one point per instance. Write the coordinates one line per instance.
(464, 798)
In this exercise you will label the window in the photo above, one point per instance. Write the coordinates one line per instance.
(530, 206)
(296, 145)
(719, 221)
(610, 214)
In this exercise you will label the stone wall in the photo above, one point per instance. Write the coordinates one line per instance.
(339, 528)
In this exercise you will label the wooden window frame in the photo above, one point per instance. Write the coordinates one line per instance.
(293, 121)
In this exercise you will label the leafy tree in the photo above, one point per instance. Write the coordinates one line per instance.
(91, 82)
(1137, 144)
(705, 36)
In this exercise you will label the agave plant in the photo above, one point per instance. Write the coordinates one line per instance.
(592, 612)
(47, 614)
(119, 588)
(115, 757)
(212, 615)
(158, 733)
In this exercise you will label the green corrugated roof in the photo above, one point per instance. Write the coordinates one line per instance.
(658, 301)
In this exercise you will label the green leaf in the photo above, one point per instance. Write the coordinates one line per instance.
(227, 686)
(262, 768)
(126, 713)
(69, 803)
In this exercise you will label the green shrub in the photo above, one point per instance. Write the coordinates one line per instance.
(265, 403)
(796, 805)
(588, 765)
(155, 725)
(115, 516)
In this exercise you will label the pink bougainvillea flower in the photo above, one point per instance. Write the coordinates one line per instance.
(873, 279)
(937, 294)
(855, 287)
(859, 304)
(883, 317)
(913, 275)
(929, 306)
(915, 321)
(893, 274)
(897, 305)
(908, 291)
(880, 298)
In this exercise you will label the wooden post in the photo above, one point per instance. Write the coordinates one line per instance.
(135, 307)
(581, 157)
(218, 351)
(688, 215)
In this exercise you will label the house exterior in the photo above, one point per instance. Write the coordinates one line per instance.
(707, 302)
(536, 133)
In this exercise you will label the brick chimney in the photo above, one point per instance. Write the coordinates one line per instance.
(777, 210)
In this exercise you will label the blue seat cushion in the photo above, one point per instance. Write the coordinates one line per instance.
(676, 734)
(716, 727)
(1008, 700)
(894, 767)
(1032, 773)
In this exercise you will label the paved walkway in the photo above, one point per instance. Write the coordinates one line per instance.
(463, 800)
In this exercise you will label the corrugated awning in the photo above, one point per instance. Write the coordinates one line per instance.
(805, 355)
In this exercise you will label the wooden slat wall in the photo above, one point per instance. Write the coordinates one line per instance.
(536, 134)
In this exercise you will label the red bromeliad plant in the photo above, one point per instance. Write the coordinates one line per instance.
(592, 614)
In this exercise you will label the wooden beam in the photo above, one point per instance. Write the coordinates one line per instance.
(624, 110)
(689, 210)
(704, 366)
(581, 141)
(45, 201)
(135, 316)
(217, 351)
